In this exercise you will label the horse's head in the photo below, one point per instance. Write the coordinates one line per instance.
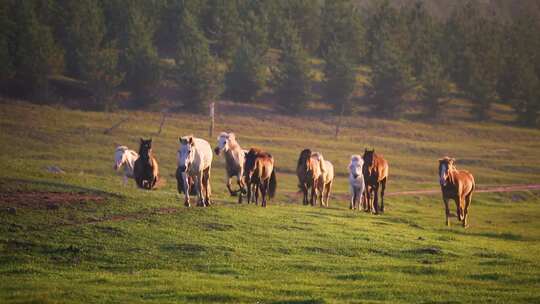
(186, 153)
(224, 142)
(445, 165)
(145, 148)
(356, 166)
(368, 157)
(120, 157)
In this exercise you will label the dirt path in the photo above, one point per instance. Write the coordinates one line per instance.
(479, 189)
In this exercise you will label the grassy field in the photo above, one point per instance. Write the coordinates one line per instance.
(123, 245)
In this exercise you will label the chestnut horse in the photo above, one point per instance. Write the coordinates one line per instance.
(375, 176)
(259, 172)
(457, 185)
(305, 170)
(145, 169)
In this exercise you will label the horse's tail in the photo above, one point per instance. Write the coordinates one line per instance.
(273, 184)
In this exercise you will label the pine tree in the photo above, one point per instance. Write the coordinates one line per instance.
(292, 83)
(223, 26)
(141, 61)
(340, 78)
(473, 53)
(103, 76)
(341, 24)
(34, 45)
(198, 72)
(435, 87)
(247, 77)
(392, 75)
(6, 27)
(519, 81)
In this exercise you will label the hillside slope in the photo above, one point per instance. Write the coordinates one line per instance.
(105, 243)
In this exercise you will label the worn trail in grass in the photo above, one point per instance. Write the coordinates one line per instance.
(105, 243)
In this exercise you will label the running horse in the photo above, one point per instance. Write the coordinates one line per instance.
(457, 185)
(260, 173)
(234, 161)
(375, 176)
(145, 169)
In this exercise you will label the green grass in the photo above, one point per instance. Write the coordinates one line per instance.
(138, 246)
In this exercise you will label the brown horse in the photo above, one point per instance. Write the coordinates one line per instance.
(457, 185)
(259, 172)
(145, 169)
(375, 176)
(305, 172)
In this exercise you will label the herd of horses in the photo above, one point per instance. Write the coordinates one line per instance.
(255, 174)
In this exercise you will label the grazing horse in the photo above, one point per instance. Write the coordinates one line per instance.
(324, 181)
(357, 184)
(145, 169)
(260, 173)
(234, 161)
(375, 175)
(304, 170)
(194, 162)
(124, 157)
(457, 185)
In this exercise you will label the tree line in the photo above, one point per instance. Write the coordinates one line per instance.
(237, 49)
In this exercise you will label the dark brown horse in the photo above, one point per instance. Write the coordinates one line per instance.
(457, 185)
(375, 176)
(260, 173)
(145, 169)
(304, 171)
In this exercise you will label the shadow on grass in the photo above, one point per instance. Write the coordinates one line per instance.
(303, 301)
(15, 184)
(508, 236)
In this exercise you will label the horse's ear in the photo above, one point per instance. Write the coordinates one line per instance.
(142, 140)
(190, 140)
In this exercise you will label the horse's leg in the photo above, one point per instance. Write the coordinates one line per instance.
(468, 199)
(240, 183)
(376, 198)
(447, 211)
(352, 206)
(305, 193)
(264, 188)
(231, 192)
(248, 191)
(328, 189)
(313, 193)
(207, 187)
(383, 187)
(198, 189)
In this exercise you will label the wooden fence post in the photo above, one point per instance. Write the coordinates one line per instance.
(212, 104)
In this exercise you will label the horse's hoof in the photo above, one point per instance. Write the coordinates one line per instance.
(187, 204)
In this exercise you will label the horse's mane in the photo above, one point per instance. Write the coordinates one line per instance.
(304, 155)
(320, 158)
(357, 159)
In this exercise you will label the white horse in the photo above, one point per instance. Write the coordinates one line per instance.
(124, 157)
(195, 161)
(234, 161)
(356, 182)
(324, 183)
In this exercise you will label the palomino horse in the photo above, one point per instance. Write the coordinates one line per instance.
(457, 185)
(145, 169)
(260, 172)
(124, 157)
(304, 170)
(195, 161)
(375, 176)
(323, 184)
(234, 161)
(357, 184)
